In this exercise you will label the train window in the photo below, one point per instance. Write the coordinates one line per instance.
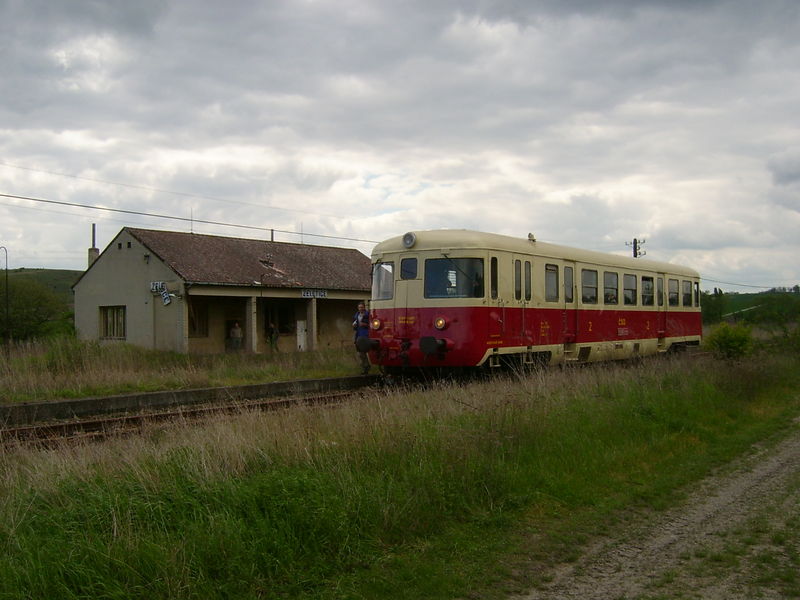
(647, 291)
(673, 292)
(568, 285)
(518, 279)
(687, 293)
(454, 278)
(660, 290)
(408, 268)
(697, 293)
(589, 286)
(383, 281)
(610, 288)
(551, 283)
(629, 289)
(527, 280)
(494, 277)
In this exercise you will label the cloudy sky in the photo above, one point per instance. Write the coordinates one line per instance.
(345, 122)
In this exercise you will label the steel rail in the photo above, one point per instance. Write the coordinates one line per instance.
(91, 429)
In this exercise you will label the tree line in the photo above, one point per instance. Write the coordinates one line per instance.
(776, 309)
(34, 311)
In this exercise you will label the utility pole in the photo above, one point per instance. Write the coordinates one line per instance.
(8, 315)
(637, 247)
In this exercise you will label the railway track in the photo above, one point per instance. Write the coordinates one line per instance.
(50, 423)
(91, 426)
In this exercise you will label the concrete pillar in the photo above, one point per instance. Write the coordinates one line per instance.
(182, 325)
(251, 324)
(313, 325)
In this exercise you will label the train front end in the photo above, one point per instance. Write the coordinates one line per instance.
(428, 306)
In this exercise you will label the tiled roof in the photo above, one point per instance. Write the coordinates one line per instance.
(234, 261)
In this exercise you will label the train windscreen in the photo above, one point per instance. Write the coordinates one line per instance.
(383, 281)
(454, 278)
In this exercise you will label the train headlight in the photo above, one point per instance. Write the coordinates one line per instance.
(375, 324)
(440, 323)
(409, 239)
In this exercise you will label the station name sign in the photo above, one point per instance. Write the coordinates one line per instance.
(160, 287)
(314, 293)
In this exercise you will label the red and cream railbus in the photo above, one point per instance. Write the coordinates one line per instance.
(457, 298)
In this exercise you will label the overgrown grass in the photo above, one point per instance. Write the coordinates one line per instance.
(67, 368)
(409, 494)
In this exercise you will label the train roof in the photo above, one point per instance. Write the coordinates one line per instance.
(444, 239)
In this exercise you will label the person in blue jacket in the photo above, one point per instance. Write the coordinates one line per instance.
(361, 329)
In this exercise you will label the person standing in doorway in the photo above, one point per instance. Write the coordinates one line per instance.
(236, 337)
(272, 333)
(361, 329)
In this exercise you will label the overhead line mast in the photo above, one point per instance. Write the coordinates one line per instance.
(637, 247)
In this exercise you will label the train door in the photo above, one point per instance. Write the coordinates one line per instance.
(496, 326)
(528, 316)
(408, 296)
(569, 304)
(516, 309)
(661, 308)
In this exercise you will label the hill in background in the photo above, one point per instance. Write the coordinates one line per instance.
(58, 281)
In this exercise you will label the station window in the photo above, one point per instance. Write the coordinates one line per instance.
(518, 279)
(281, 314)
(551, 283)
(454, 278)
(660, 290)
(610, 288)
(568, 285)
(383, 281)
(408, 268)
(673, 292)
(198, 316)
(112, 322)
(687, 293)
(589, 286)
(527, 280)
(629, 289)
(284, 317)
(647, 291)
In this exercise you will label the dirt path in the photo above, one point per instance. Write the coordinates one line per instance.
(736, 537)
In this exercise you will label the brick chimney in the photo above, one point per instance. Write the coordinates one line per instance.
(93, 251)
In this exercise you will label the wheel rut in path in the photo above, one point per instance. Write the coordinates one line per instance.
(655, 556)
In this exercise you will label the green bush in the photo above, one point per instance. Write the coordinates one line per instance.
(730, 341)
(791, 342)
(33, 310)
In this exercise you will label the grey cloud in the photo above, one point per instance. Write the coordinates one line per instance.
(53, 21)
(586, 122)
(786, 196)
(785, 167)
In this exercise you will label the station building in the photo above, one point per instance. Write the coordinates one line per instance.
(190, 293)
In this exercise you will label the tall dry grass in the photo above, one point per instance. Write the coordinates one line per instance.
(346, 502)
(67, 368)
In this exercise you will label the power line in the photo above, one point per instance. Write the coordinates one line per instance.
(252, 227)
(163, 191)
(184, 219)
(760, 287)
